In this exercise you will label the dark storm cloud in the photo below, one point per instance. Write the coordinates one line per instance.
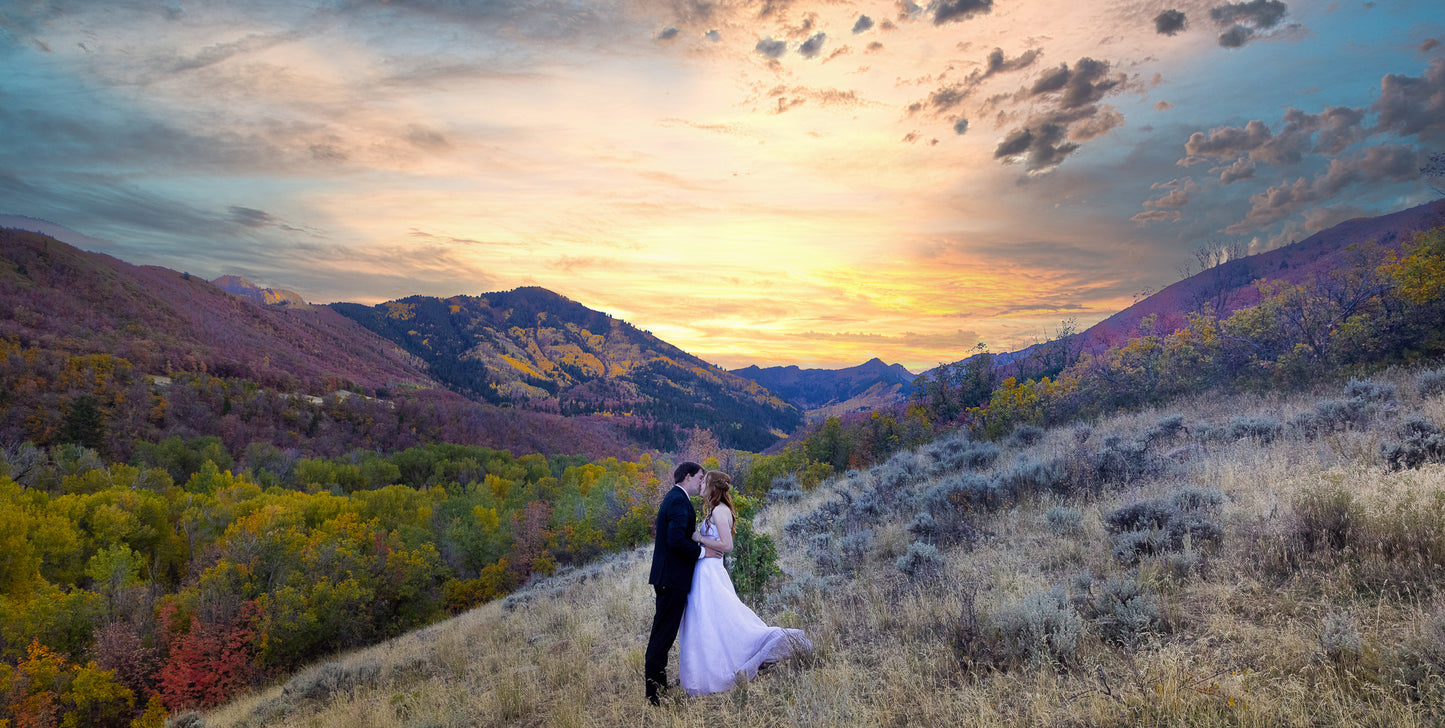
(997, 63)
(1051, 136)
(1169, 22)
(1408, 105)
(949, 11)
(769, 48)
(1040, 147)
(1376, 165)
(813, 45)
(1235, 37)
(1258, 13)
(1086, 83)
(863, 25)
(668, 34)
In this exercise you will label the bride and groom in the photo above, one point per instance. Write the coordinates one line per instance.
(721, 639)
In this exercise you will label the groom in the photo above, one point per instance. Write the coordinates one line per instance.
(674, 556)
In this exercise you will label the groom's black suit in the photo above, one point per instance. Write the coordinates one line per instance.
(674, 556)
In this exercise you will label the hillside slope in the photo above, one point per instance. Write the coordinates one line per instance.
(1208, 582)
(532, 348)
(1230, 286)
(58, 297)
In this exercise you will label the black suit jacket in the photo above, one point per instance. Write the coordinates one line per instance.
(674, 553)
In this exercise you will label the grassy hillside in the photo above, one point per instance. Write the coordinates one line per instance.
(1229, 561)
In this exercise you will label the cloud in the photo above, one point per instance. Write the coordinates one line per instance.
(1429, 44)
(1408, 105)
(713, 35)
(1330, 132)
(1178, 195)
(1039, 148)
(863, 25)
(997, 63)
(770, 48)
(668, 34)
(1170, 22)
(1157, 216)
(251, 217)
(787, 97)
(1258, 13)
(813, 45)
(1163, 106)
(1086, 83)
(1380, 164)
(942, 100)
(949, 11)
(960, 126)
(1242, 168)
(1244, 20)
(1235, 37)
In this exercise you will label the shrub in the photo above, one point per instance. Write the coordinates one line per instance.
(331, 679)
(1326, 519)
(1064, 520)
(785, 490)
(797, 590)
(854, 548)
(1430, 383)
(921, 562)
(1420, 441)
(1158, 526)
(1039, 629)
(1340, 637)
(1419, 663)
(1123, 612)
(1263, 429)
(924, 527)
(189, 719)
(820, 520)
(1333, 415)
(753, 562)
(825, 554)
(1033, 477)
(1026, 436)
(1369, 390)
(1166, 429)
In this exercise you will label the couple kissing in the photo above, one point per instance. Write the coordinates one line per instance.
(721, 640)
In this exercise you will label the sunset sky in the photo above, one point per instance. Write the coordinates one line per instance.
(778, 182)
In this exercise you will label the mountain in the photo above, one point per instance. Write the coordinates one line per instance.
(241, 287)
(535, 349)
(828, 392)
(58, 297)
(1229, 286)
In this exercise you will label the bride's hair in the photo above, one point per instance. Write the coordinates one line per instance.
(717, 488)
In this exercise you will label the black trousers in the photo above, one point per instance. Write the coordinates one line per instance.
(670, 604)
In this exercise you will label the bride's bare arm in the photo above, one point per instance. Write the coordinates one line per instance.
(722, 518)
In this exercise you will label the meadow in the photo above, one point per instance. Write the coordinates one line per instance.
(1240, 560)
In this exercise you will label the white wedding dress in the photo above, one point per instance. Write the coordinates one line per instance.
(721, 640)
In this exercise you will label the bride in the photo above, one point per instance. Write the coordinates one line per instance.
(721, 640)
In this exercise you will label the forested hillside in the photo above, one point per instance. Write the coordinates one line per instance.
(535, 349)
(130, 590)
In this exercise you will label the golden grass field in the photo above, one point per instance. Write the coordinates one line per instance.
(1254, 630)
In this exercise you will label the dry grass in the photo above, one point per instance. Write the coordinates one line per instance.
(1240, 639)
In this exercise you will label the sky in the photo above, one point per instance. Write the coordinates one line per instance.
(773, 182)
